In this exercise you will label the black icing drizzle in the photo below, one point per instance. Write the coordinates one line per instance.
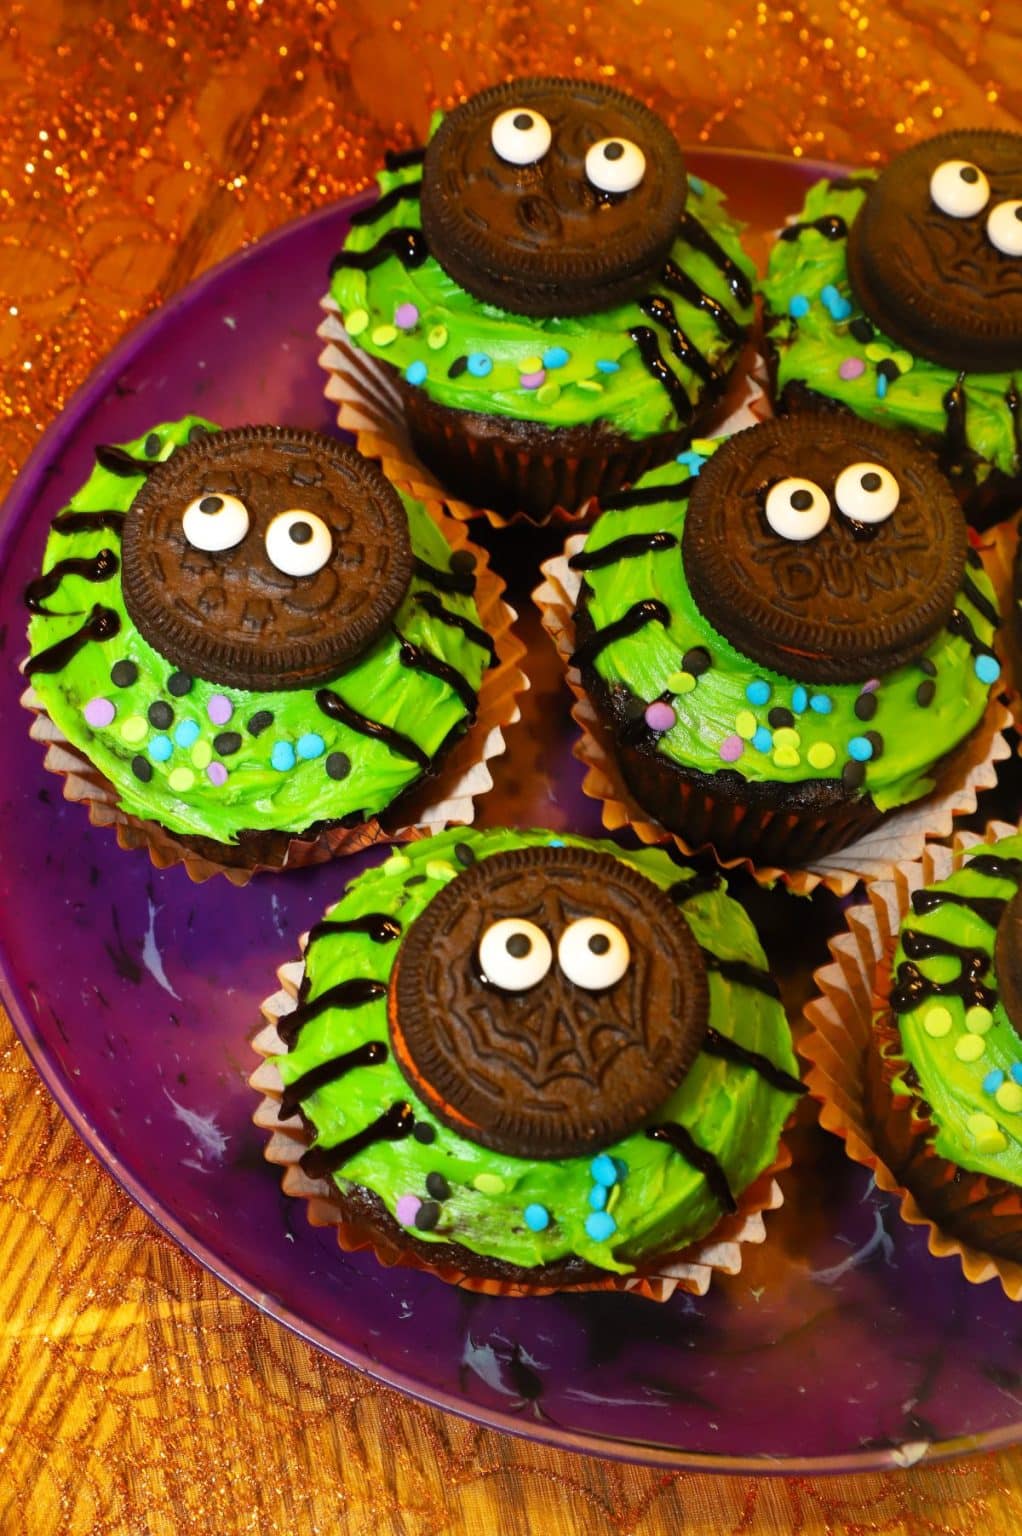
(987, 908)
(699, 238)
(628, 547)
(648, 495)
(981, 604)
(355, 992)
(716, 1044)
(377, 926)
(461, 582)
(401, 159)
(679, 282)
(830, 225)
(334, 706)
(694, 885)
(102, 624)
(371, 1054)
(702, 1161)
(118, 462)
(1013, 401)
(960, 624)
(406, 192)
(652, 357)
(99, 567)
(393, 1125)
(404, 242)
(955, 443)
(419, 660)
(661, 311)
(743, 973)
(639, 614)
(434, 607)
(72, 521)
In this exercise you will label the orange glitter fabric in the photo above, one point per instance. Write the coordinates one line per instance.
(139, 143)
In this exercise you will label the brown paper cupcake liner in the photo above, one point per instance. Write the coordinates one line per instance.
(998, 547)
(690, 1269)
(371, 405)
(446, 799)
(900, 835)
(837, 1044)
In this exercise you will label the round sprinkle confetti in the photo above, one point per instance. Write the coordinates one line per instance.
(187, 733)
(217, 774)
(988, 669)
(903, 361)
(310, 745)
(787, 736)
(338, 765)
(696, 660)
(202, 754)
(227, 742)
(531, 364)
(780, 717)
(681, 682)
(853, 774)
(555, 357)
(745, 724)
(978, 1020)
(660, 716)
(356, 322)
(135, 728)
(865, 706)
(179, 683)
(970, 1047)
(799, 700)
(479, 365)
(937, 1022)
(181, 779)
(548, 392)
(537, 1218)
(993, 1080)
(407, 1209)
(601, 1226)
(1009, 1097)
(160, 748)
(142, 769)
(99, 712)
(532, 380)
(603, 1170)
(424, 1133)
(383, 335)
(437, 1186)
(597, 1197)
(821, 755)
(436, 337)
(488, 1183)
(607, 365)
(822, 703)
(283, 756)
(260, 721)
(1015, 1072)
(406, 316)
(875, 352)
(123, 674)
(427, 1216)
(415, 373)
(160, 714)
(758, 692)
(731, 749)
(590, 386)
(786, 757)
(763, 739)
(860, 749)
(219, 709)
(852, 368)
(925, 692)
(798, 306)
(986, 1132)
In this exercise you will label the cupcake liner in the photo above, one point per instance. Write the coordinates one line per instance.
(371, 405)
(840, 1024)
(442, 800)
(690, 1269)
(998, 547)
(900, 835)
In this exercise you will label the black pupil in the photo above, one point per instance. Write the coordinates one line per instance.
(801, 500)
(871, 481)
(613, 151)
(211, 504)
(1018, 213)
(523, 122)
(599, 943)
(300, 533)
(518, 946)
(969, 173)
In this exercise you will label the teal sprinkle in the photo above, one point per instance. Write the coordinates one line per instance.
(881, 385)
(607, 365)
(598, 1197)
(415, 373)
(988, 669)
(993, 1080)
(860, 749)
(697, 186)
(283, 756)
(692, 461)
(758, 692)
(1016, 1072)
(603, 1170)
(310, 745)
(555, 357)
(187, 733)
(537, 1218)
(798, 306)
(600, 1226)
(799, 700)
(160, 748)
(822, 703)
(479, 364)
(763, 739)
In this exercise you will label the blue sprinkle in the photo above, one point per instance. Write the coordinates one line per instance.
(556, 842)
(697, 186)
(621, 1166)
(692, 461)
(479, 365)
(283, 756)
(415, 373)
(841, 310)
(988, 669)
(600, 1226)
(187, 733)
(881, 385)
(603, 1170)
(537, 1218)
(1016, 1072)
(555, 357)
(799, 700)
(311, 745)
(607, 365)
(160, 748)
(822, 703)
(763, 739)
(758, 692)
(993, 1080)
(829, 294)
(860, 749)
(798, 306)
(598, 1197)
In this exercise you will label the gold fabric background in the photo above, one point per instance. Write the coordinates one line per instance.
(139, 143)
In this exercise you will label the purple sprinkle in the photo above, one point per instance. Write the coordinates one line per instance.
(660, 716)
(99, 712)
(852, 368)
(731, 748)
(219, 709)
(532, 380)
(871, 686)
(217, 774)
(406, 316)
(408, 1209)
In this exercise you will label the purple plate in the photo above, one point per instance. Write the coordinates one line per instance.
(841, 1345)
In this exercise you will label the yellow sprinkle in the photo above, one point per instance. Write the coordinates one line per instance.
(383, 335)
(202, 754)
(745, 724)
(436, 337)
(592, 385)
(821, 754)
(1009, 1097)
(134, 728)
(531, 365)
(978, 1020)
(937, 1022)
(970, 1047)
(903, 361)
(356, 322)
(704, 446)
(436, 869)
(875, 352)
(787, 736)
(613, 1198)
(786, 757)
(488, 1183)
(181, 779)
(987, 1133)
(681, 682)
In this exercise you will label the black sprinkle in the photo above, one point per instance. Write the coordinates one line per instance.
(861, 329)
(438, 1186)
(142, 768)
(876, 741)
(123, 674)
(888, 369)
(463, 560)
(160, 714)
(427, 1216)
(866, 706)
(424, 1132)
(457, 368)
(778, 718)
(416, 880)
(696, 661)
(338, 765)
(853, 774)
(260, 721)
(928, 666)
(179, 683)
(152, 446)
(925, 692)
(464, 854)
(227, 742)
(195, 431)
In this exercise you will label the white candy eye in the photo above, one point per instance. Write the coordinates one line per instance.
(514, 954)
(520, 136)
(214, 523)
(1004, 228)
(615, 165)
(298, 543)
(867, 493)
(959, 188)
(797, 509)
(593, 953)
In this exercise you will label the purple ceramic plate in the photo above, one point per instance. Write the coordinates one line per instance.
(841, 1345)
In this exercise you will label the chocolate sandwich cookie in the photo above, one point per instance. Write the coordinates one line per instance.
(551, 196)
(847, 543)
(547, 1001)
(265, 557)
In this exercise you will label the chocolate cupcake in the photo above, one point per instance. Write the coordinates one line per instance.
(250, 636)
(788, 644)
(531, 1060)
(558, 303)
(899, 296)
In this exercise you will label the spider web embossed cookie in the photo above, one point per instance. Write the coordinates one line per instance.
(548, 1001)
(265, 557)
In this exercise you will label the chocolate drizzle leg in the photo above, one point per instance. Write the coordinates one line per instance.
(401, 159)
(661, 312)
(436, 610)
(694, 885)
(419, 660)
(959, 624)
(118, 462)
(355, 992)
(912, 987)
(648, 495)
(649, 351)
(648, 611)
(981, 604)
(699, 238)
(334, 706)
(716, 1044)
(998, 866)
(741, 972)
(1013, 401)
(374, 925)
(461, 582)
(830, 225)
(702, 1161)
(405, 242)
(371, 1054)
(987, 908)
(393, 1125)
(955, 444)
(679, 282)
(99, 567)
(630, 546)
(102, 624)
(73, 521)
(407, 192)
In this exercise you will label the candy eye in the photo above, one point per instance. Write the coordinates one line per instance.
(1004, 228)
(615, 165)
(214, 523)
(520, 136)
(593, 953)
(959, 188)
(514, 954)
(867, 493)
(298, 543)
(797, 509)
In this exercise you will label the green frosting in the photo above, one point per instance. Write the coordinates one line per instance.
(602, 379)
(812, 347)
(660, 1201)
(720, 724)
(965, 1054)
(277, 780)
